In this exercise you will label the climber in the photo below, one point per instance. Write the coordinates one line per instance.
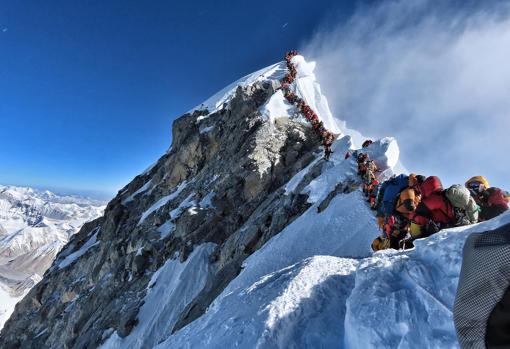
(327, 152)
(370, 181)
(478, 184)
(493, 203)
(372, 169)
(380, 243)
(372, 193)
(434, 212)
(327, 141)
(394, 233)
(394, 226)
(369, 178)
(415, 181)
(367, 143)
(410, 197)
(362, 158)
(388, 193)
(465, 208)
(492, 200)
(408, 201)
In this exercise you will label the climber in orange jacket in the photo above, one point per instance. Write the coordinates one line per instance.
(410, 197)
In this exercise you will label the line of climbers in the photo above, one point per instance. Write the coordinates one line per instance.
(326, 136)
(408, 207)
(414, 206)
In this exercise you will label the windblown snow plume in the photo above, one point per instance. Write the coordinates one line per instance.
(432, 74)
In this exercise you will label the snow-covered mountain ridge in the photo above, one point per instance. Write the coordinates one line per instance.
(34, 226)
(241, 235)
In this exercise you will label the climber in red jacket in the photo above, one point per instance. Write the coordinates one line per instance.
(434, 212)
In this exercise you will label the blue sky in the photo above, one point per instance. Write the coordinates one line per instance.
(89, 89)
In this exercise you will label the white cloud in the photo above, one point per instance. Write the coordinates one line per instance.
(434, 76)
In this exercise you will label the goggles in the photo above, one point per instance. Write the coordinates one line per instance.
(474, 185)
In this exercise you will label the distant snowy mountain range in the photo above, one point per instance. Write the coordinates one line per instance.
(34, 226)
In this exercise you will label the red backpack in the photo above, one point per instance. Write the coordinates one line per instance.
(441, 210)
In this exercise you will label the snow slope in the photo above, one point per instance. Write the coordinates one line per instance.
(293, 307)
(7, 303)
(171, 289)
(35, 226)
(216, 102)
(309, 90)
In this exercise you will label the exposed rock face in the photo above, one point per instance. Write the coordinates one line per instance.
(220, 183)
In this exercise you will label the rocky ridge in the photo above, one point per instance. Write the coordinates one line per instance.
(221, 184)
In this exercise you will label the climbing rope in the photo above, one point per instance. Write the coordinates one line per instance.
(326, 136)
